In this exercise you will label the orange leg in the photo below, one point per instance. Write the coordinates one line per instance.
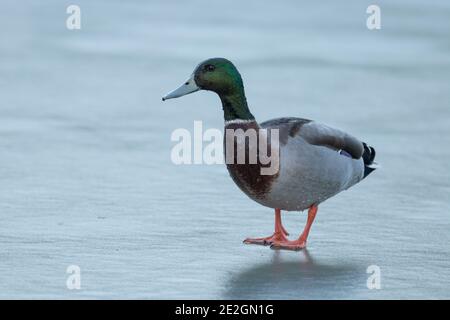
(300, 243)
(278, 236)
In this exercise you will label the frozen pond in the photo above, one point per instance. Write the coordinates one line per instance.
(85, 171)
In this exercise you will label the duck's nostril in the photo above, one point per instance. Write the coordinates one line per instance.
(187, 83)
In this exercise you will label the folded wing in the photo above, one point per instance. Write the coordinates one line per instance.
(323, 135)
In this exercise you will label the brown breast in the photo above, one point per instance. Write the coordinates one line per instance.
(247, 175)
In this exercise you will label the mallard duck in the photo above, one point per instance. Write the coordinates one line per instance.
(316, 161)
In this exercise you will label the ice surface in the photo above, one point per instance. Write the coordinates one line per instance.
(85, 170)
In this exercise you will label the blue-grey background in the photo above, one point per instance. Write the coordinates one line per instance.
(85, 170)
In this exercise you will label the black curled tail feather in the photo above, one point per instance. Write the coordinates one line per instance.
(368, 158)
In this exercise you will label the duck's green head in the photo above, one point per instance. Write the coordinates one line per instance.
(220, 76)
(216, 74)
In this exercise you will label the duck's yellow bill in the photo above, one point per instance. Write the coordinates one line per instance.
(187, 87)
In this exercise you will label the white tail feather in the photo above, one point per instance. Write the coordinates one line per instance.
(373, 165)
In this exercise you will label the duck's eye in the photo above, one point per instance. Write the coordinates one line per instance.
(209, 67)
